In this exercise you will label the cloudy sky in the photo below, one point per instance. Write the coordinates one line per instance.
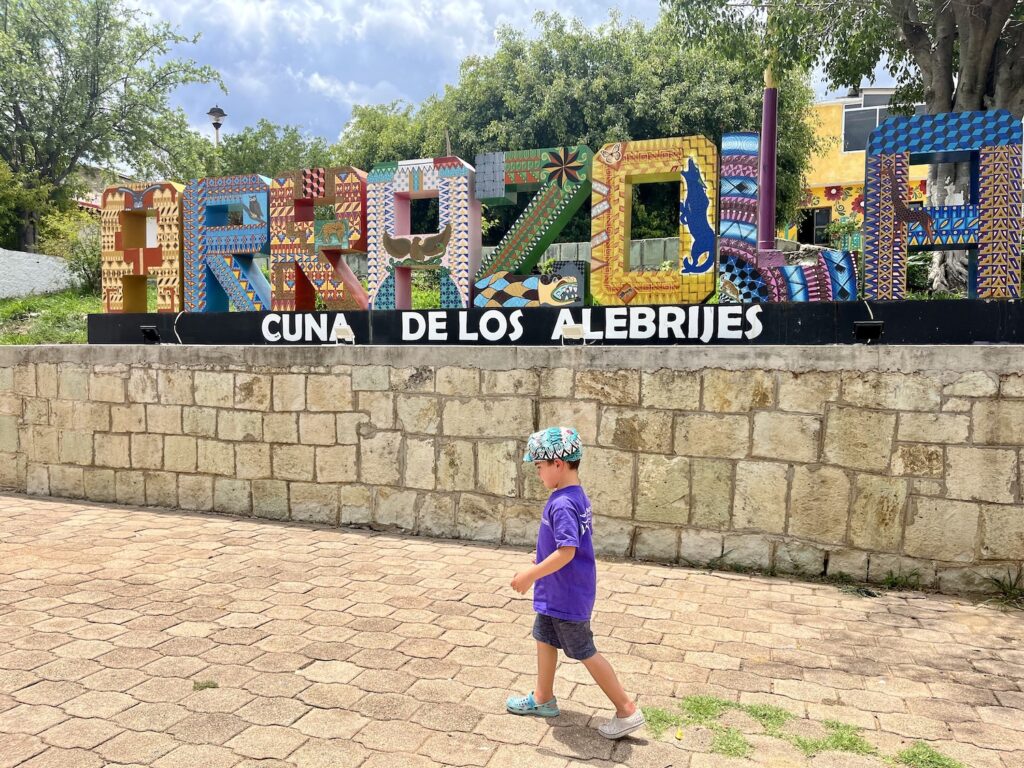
(307, 63)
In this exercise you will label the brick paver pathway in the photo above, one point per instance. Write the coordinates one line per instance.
(340, 648)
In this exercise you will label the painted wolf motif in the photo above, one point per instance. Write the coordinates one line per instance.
(693, 212)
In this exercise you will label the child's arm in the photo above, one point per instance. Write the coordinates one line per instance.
(558, 559)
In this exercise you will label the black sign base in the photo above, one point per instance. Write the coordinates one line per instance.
(962, 321)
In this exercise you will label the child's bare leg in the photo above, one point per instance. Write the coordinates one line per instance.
(547, 660)
(603, 674)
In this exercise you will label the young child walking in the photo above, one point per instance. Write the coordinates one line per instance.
(564, 581)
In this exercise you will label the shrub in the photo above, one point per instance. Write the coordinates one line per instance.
(75, 237)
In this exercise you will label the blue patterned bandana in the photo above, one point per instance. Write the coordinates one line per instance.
(554, 443)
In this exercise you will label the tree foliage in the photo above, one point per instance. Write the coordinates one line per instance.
(84, 81)
(955, 55)
(572, 84)
(18, 194)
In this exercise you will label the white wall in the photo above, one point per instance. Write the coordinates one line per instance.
(24, 273)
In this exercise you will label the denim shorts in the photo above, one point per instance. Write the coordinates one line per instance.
(573, 637)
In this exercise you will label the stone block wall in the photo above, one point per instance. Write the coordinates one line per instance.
(809, 460)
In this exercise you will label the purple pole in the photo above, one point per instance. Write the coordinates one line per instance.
(766, 171)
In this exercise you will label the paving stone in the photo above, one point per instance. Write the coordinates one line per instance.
(134, 747)
(262, 741)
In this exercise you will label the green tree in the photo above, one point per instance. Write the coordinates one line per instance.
(572, 84)
(17, 195)
(271, 150)
(83, 81)
(954, 56)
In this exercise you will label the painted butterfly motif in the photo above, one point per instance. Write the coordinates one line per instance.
(612, 154)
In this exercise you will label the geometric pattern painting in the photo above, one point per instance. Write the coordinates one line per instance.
(991, 141)
(127, 259)
(561, 176)
(226, 223)
(737, 231)
(693, 162)
(393, 252)
(316, 215)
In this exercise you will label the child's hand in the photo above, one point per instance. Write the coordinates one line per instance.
(522, 582)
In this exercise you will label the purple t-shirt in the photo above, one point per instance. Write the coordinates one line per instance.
(566, 521)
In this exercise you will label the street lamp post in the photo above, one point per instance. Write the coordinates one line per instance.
(216, 115)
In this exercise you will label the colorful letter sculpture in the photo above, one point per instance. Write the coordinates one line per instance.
(990, 222)
(127, 259)
(563, 177)
(315, 216)
(749, 275)
(392, 252)
(226, 223)
(617, 167)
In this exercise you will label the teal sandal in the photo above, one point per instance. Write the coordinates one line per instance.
(526, 705)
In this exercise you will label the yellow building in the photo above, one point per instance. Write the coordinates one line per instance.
(835, 182)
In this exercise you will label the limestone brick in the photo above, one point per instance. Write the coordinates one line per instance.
(347, 427)
(608, 477)
(877, 514)
(314, 503)
(1012, 385)
(356, 502)
(9, 434)
(851, 562)
(800, 558)
(697, 548)
(479, 517)
(819, 504)
(39, 411)
(317, 428)
(395, 507)
(663, 489)
(175, 387)
(437, 514)
(270, 499)
(72, 382)
(379, 406)
(934, 428)
(12, 470)
(252, 391)
(981, 474)
(99, 484)
(198, 421)
(45, 380)
(513, 382)
(973, 384)
(460, 382)
(634, 429)
(554, 382)
(42, 443)
(712, 486)
(710, 436)
(24, 380)
(163, 419)
(128, 418)
(336, 464)
(370, 377)
(738, 391)
(749, 550)
(670, 390)
(415, 379)
(420, 463)
(91, 416)
(807, 392)
(244, 426)
(147, 451)
(496, 416)
(859, 439)
(658, 544)
(456, 466)
(195, 492)
(939, 529)
(609, 387)
(896, 391)
(1002, 532)
(109, 388)
(37, 480)
(292, 462)
(918, 460)
(380, 458)
(612, 538)
(498, 467)
(289, 392)
(142, 385)
(329, 393)
(521, 521)
(252, 461)
(999, 422)
(112, 450)
(418, 414)
(214, 388)
(786, 437)
(760, 499)
(161, 489)
(67, 481)
(179, 453)
(130, 487)
(281, 427)
(233, 497)
(214, 457)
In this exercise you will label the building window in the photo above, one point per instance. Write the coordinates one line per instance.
(859, 120)
(813, 229)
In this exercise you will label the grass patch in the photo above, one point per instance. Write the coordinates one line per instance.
(202, 685)
(771, 718)
(55, 318)
(660, 720)
(922, 756)
(704, 711)
(1009, 589)
(840, 738)
(730, 742)
(900, 580)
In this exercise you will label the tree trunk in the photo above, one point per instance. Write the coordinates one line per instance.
(29, 231)
(949, 184)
